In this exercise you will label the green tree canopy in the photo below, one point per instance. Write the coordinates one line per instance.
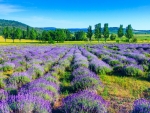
(120, 31)
(113, 36)
(89, 33)
(80, 36)
(106, 31)
(129, 32)
(98, 31)
(6, 33)
(32, 34)
(18, 33)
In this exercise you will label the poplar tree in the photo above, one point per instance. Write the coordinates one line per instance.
(97, 31)
(129, 32)
(89, 33)
(120, 31)
(106, 31)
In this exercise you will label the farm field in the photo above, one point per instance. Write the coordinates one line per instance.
(102, 78)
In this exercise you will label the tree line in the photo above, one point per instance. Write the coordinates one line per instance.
(61, 35)
(99, 33)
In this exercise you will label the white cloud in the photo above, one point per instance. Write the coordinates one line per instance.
(7, 8)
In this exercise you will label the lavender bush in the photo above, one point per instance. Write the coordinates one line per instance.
(141, 106)
(84, 102)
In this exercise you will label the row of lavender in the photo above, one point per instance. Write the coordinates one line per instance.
(37, 95)
(40, 88)
(125, 61)
(85, 84)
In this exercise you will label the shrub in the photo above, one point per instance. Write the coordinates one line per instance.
(81, 83)
(133, 40)
(113, 37)
(2, 84)
(36, 71)
(26, 103)
(100, 67)
(84, 102)
(117, 40)
(141, 106)
(133, 70)
(8, 67)
(19, 79)
(114, 62)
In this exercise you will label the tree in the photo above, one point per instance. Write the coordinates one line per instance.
(6, 33)
(80, 36)
(120, 31)
(24, 34)
(69, 36)
(12, 34)
(98, 31)
(52, 34)
(18, 33)
(28, 32)
(50, 40)
(89, 33)
(60, 35)
(32, 34)
(106, 31)
(129, 32)
(112, 37)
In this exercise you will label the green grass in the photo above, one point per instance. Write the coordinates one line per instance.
(122, 91)
(142, 38)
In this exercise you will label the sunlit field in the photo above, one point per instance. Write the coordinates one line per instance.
(99, 78)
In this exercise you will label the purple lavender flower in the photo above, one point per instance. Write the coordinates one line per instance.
(141, 106)
(84, 102)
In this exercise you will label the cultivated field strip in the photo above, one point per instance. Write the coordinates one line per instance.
(33, 79)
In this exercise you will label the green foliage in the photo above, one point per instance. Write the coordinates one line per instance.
(114, 62)
(85, 83)
(106, 31)
(28, 32)
(129, 32)
(148, 76)
(7, 68)
(120, 31)
(89, 33)
(113, 37)
(6, 33)
(2, 84)
(79, 36)
(19, 80)
(50, 40)
(132, 71)
(117, 40)
(105, 92)
(13, 33)
(60, 35)
(18, 33)
(124, 39)
(98, 31)
(133, 40)
(33, 34)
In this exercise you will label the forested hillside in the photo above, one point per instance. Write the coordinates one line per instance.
(12, 23)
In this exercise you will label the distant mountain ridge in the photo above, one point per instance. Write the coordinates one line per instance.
(13, 23)
(111, 29)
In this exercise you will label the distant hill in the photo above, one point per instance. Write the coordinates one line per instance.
(12, 23)
(111, 29)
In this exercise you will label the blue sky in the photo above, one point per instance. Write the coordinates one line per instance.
(77, 13)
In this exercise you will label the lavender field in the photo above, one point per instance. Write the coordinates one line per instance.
(70, 79)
